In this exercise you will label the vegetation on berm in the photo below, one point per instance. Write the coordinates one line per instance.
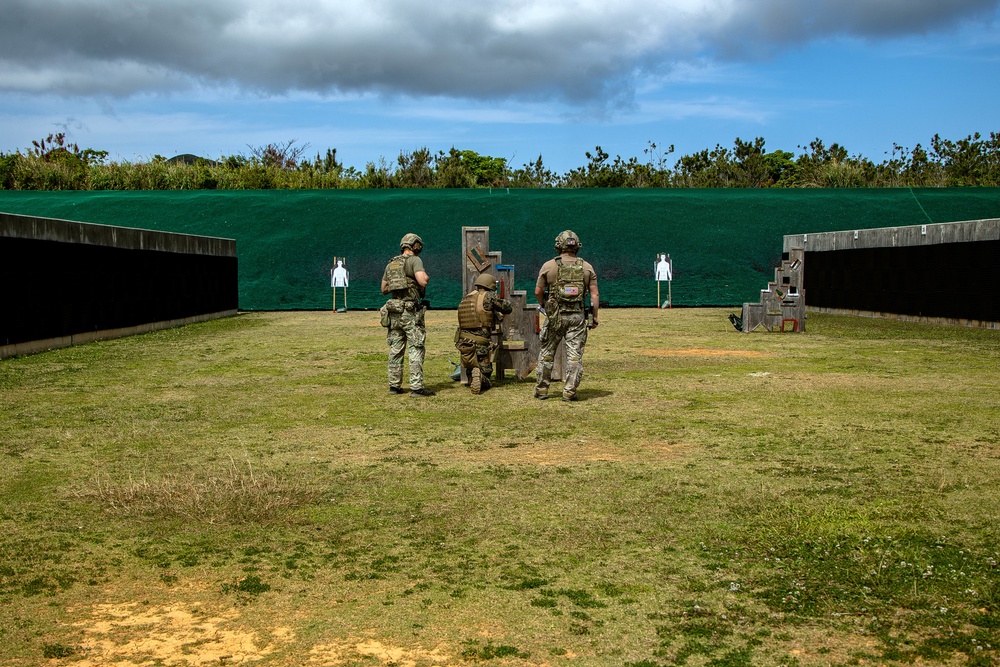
(53, 164)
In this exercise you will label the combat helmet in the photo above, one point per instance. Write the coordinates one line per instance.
(413, 242)
(487, 281)
(568, 241)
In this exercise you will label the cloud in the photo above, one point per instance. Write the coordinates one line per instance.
(575, 51)
(767, 25)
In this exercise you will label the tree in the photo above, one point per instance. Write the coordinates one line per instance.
(599, 173)
(656, 165)
(781, 168)
(823, 167)
(327, 164)
(488, 171)
(376, 175)
(750, 168)
(533, 175)
(969, 161)
(704, 169)
(282, 156)
(452, 172)
(415, 170)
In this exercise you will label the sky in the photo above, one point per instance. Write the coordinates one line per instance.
(516, 79)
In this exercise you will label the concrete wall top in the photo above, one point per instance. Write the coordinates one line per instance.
(67, 231)
(891, 237)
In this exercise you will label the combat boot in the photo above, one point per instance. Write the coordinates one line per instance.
(476, 380)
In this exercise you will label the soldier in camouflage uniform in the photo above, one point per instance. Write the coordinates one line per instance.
(566, 280)
(478, 312)
(405, 280)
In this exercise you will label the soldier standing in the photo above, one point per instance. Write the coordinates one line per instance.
(478, 312)
(403, 314)
(563, 283)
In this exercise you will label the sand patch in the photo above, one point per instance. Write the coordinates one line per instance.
(129, 635)
(705, 352)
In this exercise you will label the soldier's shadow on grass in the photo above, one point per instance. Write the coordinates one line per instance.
(592, 394)
(528, 385)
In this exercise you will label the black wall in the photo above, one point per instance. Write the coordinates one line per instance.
(55, 289)
(951, 280)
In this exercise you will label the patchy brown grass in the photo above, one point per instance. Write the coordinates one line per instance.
(234, 494)
(372, 651)
(704, 352)
(246, 492)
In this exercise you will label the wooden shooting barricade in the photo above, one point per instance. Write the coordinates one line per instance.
(517, 338)
(782, 306)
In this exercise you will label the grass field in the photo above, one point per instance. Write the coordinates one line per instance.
(245, 491)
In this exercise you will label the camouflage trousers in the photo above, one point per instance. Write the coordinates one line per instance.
(475, 355)
(571, 327)
(406, 334)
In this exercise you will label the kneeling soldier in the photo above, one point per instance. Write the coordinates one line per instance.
(478, 313)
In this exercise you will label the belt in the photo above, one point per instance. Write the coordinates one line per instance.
(475, 338)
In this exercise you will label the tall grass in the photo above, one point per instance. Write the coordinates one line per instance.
(233, 495)
(28, 172)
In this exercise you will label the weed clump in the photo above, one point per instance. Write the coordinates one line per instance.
(247, 588)
(489, 651)
(53, 651)
(239, 495)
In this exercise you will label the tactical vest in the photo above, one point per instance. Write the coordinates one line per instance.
(471, 312)
(569, 287)
(397, 282)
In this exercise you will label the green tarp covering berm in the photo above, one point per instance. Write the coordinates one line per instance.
(724, 244)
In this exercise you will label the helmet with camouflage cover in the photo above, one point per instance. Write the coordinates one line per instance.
(568, 241)
(413, 242)
(486, 281)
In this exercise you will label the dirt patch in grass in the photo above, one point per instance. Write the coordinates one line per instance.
(354, 448)
(570, 453)
(516, 451)
(815, 647)
(176, 634)
(705, 352)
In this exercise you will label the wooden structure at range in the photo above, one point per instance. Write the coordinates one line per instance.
(945, 272)
(942, 272)
(516, 339)
(782, 305)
